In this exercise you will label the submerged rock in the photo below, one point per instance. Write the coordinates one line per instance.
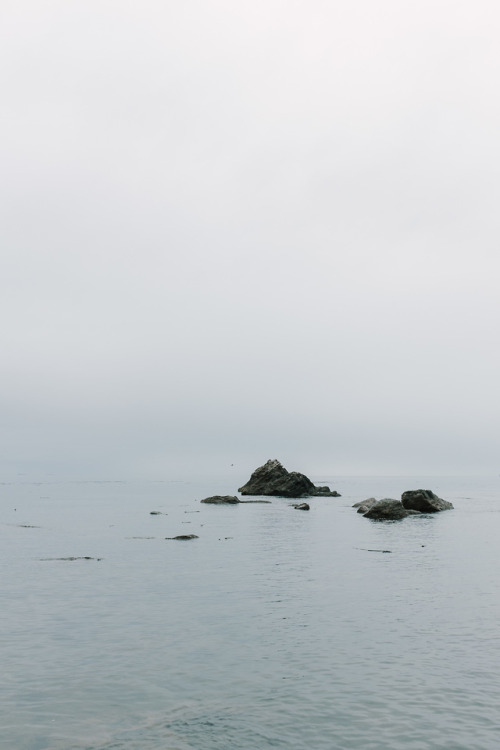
(388, 510)
(221, 500)
(183, 537)
(71, 559)
(326, 491)
(268, 502)
(302, 506)
(273, 479)
(424, 501)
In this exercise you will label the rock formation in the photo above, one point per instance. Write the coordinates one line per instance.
(364, 505)
(221, 500)
(413, 502)
(274, 479)
(388, 510)
(424, 501)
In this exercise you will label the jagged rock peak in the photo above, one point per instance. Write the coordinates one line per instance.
(273, 479)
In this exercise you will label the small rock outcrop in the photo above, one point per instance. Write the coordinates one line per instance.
(326, 491)
(424, 501)
(71, 559)
(388, 510)
(364, 505)
(221, 500)
(302, 506)
(273, 479)
(183, 537)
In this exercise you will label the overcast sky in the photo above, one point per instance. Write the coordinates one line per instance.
(239, 230)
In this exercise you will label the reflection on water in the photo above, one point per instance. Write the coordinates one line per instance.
(275, 628)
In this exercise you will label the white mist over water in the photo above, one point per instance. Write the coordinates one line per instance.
(233, 231)
(275, 628)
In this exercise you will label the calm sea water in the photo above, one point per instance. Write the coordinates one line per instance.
(276, 628)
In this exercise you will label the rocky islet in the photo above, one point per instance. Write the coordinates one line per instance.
(273, 479)
(413, 503)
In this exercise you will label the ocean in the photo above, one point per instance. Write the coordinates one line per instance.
(275, 628)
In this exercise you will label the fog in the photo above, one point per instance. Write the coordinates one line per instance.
(234, 231)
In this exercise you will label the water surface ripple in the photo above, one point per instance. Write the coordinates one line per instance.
(276, 628)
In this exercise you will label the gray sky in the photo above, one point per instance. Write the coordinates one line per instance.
(234, 231)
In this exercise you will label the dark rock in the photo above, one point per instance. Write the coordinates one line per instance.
(273, 479)
(302, 506)
(384, 551)
(71, 559)
(183, 537)
(326, 491)
(424, 501)
(364, 505)
(268, 502)
(388, 510)
(221, 500)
